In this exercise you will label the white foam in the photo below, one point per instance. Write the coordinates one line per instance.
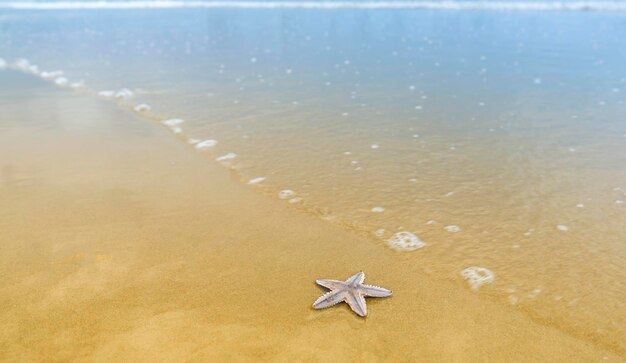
(256, 180)
(107, 94)
(378, 209)
(61, 81)
(326, 5)
(205, 144)
(375, 146)
(124, 93)
(79, 84)
(477, 276)
(227, 157)
(142, 107)
(22, 64)
(562, 228)
(405, 241)
(176, 129)
(50, 74)
(172, 122)
(452, 228)
(192, 141)
(3, 63)
(286, 193)
(295, 200)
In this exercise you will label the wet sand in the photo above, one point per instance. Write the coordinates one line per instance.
(121, 243)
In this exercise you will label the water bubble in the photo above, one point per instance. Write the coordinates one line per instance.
(124, 93)
(50, 75)
(142, 107)
(172, 122)
(205, 144)
(477, 276)
(79, 84)
(405, 241)
(452, 228)
(61, 81)
(226, 157)
(22, 64)
(106, 94)
(256, 180)
(286, 193)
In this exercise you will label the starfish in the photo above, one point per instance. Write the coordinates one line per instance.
(352, 291)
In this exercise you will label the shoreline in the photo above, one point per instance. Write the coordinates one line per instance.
(145, 247)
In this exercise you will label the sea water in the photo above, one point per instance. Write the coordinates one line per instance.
(493, 135)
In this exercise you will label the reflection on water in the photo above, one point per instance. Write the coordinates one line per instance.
(496, 138)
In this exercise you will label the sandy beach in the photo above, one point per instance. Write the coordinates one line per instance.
(122, 243)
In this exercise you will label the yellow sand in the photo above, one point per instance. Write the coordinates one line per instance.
(121, 243)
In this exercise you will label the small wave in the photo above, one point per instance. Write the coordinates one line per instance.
(325, 5)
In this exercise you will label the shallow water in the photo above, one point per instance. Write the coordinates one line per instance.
(497, 138)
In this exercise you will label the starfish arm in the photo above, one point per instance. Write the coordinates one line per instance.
(330, 298)
(375, 291)
(357, 303)
(331, 284)
(357, 278)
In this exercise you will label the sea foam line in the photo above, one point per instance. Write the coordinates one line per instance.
(324, 5)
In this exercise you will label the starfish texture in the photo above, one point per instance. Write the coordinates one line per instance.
(352, 291)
